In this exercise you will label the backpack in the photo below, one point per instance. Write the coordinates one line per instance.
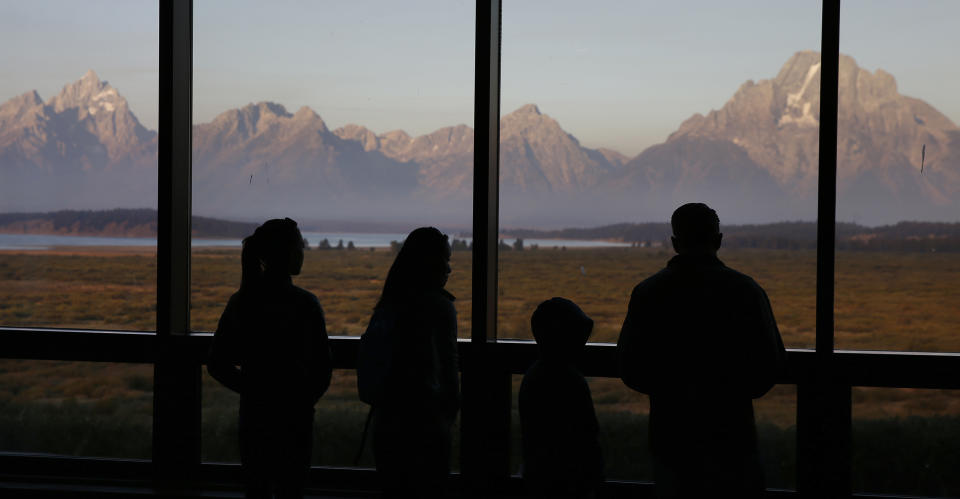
(376, 355)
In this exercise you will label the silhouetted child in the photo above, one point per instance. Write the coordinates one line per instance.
(561, 453)
(271, 347)
(417, 403)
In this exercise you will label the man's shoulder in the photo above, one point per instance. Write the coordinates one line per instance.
(661, 278)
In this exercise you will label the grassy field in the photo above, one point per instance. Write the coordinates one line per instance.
(891, 301)
(884, 301)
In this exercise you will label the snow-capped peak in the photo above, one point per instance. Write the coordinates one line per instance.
(794, 103)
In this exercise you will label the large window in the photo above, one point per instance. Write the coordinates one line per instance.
(78, 217)
(318, 120)
(898, 169)
(356, 120)
(359, 141)
(898, 260)
(630, 111)
(78, 164)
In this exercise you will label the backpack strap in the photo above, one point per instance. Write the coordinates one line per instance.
(363, 439)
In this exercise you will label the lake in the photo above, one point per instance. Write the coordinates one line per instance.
(360, 240)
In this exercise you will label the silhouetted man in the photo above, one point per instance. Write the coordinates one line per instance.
(701, 340)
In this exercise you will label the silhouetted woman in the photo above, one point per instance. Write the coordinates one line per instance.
(412, 421)
(271, 347)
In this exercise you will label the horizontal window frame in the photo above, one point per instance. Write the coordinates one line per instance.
(882, 369)
(31, 473)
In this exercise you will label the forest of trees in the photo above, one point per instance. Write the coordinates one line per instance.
(120, 221)
(903, 236)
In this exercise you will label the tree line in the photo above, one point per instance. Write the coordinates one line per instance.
(94, 222)
(902, 236)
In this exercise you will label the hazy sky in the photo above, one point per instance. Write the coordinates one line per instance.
(614, 74)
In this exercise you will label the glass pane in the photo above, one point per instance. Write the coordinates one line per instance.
(905, 441)
(76, 408)
(78, 164)
(622, 415)
(337, 425)
(898, 177)
(776, 415)
(318, 119)
(622, 418)
(634, 109)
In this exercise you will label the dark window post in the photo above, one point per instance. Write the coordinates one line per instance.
(824, 399)
(485, 419)
(176, 393)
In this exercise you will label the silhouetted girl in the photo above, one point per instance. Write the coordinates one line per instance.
(271, 347)
(421, 396)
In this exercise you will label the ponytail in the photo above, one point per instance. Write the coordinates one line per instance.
(269, 246)
(250, 263)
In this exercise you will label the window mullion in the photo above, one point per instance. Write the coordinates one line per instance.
(176, 425)
(824, 397)
(485, 417)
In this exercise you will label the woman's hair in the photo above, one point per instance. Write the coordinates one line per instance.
(422, 257)
(269, 247)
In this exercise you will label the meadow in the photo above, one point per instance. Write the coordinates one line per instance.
(885, 301)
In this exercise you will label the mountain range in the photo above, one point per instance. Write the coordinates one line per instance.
(754, 159)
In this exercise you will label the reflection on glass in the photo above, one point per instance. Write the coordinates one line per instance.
(905, 441)
(318, 120)
(898, 175)
(622, 119)
(76, 408)
(78, 164)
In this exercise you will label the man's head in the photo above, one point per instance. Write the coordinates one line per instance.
(696, 230)
(560, 328)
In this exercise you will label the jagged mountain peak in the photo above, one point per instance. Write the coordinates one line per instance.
(880, 133)
(398, 135)
(266, 108)
(351, 130)
(31, 99)
(88, 94)
(305, 113)
(797, 66)
(526, 109)
(24, 110)
(540, 156)
(528, 120)
(361, 134)
(256, 118)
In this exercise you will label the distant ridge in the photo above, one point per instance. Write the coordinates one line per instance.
(113, 223)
